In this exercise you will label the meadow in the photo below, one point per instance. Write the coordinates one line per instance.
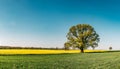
(103, 60)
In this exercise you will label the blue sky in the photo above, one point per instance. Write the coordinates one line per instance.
(45, 23)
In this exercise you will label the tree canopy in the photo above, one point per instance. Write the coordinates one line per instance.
(82, 36)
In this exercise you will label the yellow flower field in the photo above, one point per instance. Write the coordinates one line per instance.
(36, 51)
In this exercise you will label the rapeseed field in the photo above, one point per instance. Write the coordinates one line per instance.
(36, 51)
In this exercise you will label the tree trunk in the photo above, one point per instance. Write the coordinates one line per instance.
(82, 50)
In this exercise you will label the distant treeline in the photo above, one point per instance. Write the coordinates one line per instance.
(11, 47)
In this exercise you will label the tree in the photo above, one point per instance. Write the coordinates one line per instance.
(82, 36)
(110, 48)
(67, 45)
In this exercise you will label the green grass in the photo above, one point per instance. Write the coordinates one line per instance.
(62, 61)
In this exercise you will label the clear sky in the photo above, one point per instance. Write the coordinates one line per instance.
(45, 23)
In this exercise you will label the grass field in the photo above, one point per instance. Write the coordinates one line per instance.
(107, 60)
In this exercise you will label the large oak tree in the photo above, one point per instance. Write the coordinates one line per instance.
(82, 36)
